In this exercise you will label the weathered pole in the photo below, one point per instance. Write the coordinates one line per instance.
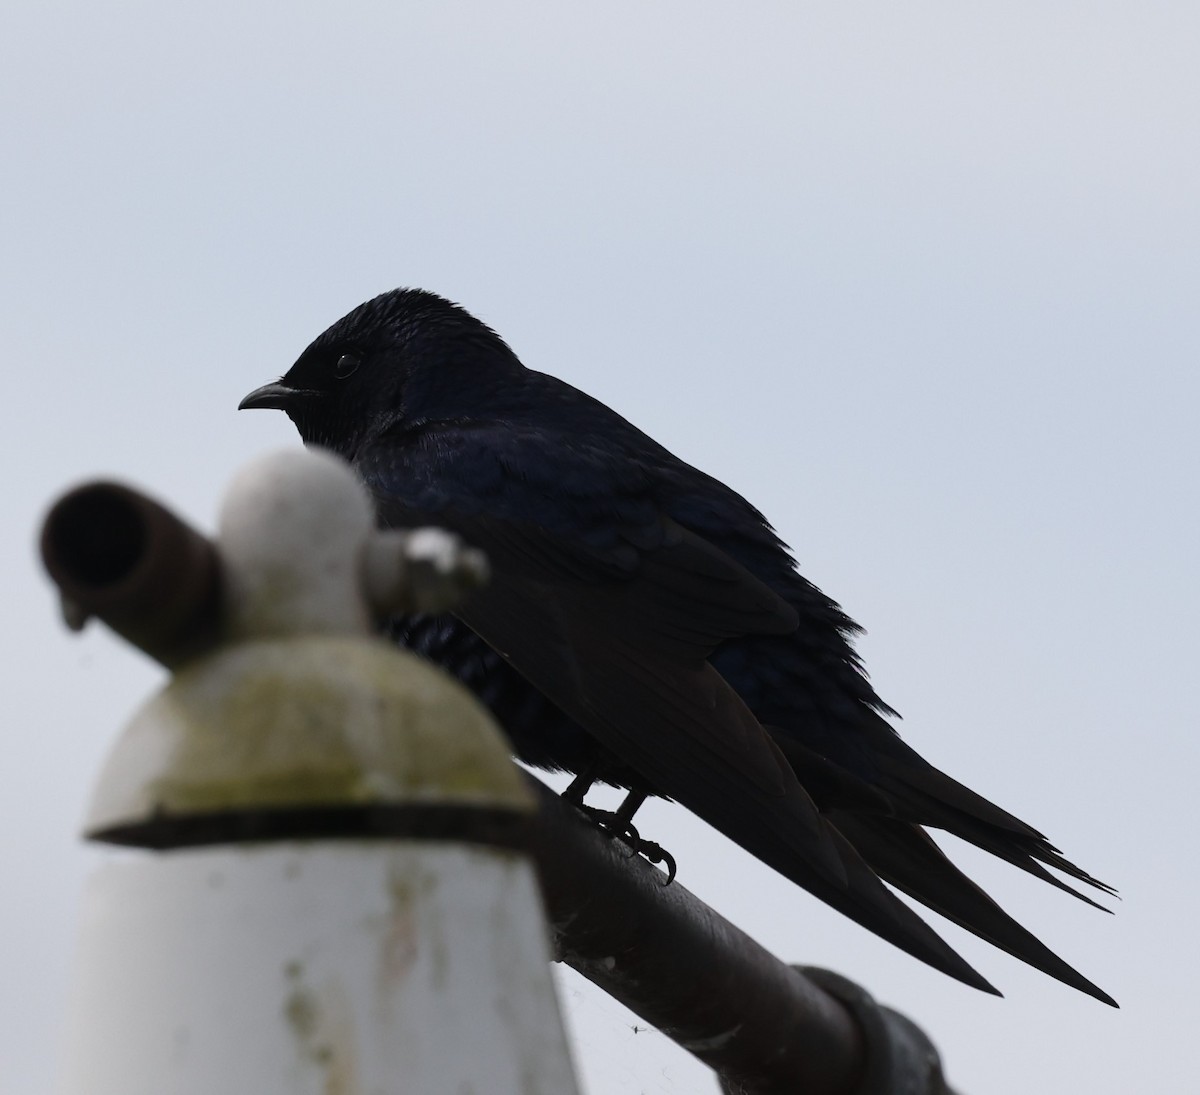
(342, 900)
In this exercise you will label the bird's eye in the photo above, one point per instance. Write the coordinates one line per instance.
(346, 364)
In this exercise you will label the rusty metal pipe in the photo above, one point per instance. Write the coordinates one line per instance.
(760, 1024)
(120, 556)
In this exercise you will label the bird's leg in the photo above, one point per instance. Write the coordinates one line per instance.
(633, 802)
(655, 853)
(611, 822)
(615, 822)
(581, 784)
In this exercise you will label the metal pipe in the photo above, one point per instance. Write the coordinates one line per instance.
(120, 556)
(686, 970)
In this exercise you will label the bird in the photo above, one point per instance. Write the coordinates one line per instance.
(644, 626)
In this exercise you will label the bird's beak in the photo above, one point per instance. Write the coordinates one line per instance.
(275, 395)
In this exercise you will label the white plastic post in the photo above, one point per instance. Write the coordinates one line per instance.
(342, 904)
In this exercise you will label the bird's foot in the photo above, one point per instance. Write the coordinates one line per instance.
(659, 856)
(621, 828)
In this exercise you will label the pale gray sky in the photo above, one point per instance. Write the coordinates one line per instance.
(920, 280)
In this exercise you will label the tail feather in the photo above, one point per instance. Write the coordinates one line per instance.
(867, 901)
(881, 817)
(1025, 860)
(926, 796)
(907, 857)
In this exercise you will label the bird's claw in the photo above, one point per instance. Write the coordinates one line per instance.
(659, 856)
(626, 832)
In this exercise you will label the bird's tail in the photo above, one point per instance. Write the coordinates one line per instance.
(905, 856)
(927, 796)
(882, 819)
(864, 899)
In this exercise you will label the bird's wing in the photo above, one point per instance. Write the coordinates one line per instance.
(596, 596)
(689, 734)
(617, 637)
(610, 609)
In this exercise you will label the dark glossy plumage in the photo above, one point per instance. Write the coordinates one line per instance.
(644, 622)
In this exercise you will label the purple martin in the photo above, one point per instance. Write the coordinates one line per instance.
(645, 627)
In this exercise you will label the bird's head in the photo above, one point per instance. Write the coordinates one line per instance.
(405, 358)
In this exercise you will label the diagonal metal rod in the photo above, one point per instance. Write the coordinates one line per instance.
(765, 1027)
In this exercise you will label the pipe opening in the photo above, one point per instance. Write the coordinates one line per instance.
(97, 536)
